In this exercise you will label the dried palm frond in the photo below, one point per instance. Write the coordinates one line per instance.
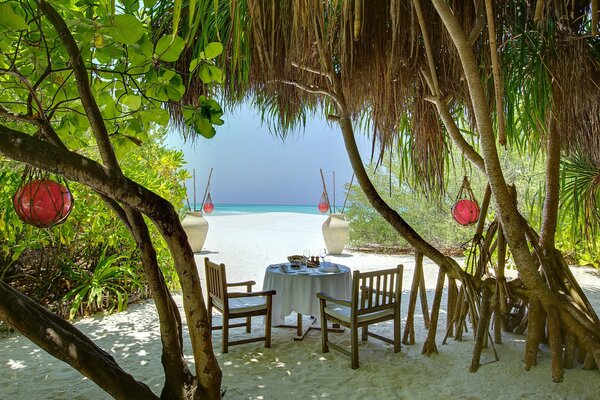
(285, 53)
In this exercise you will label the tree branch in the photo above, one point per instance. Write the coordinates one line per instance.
(17, 117)
(315, 90)
(479, 23)
(551, 200)
(87, 99)
(434, 80)
(496, 73)
(457, 138)
(312, 70)
(65, 342)
(50, 157)
(30, 88)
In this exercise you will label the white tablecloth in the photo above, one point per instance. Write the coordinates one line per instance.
(298, 291)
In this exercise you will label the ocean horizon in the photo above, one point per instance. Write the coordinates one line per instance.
(237, 209)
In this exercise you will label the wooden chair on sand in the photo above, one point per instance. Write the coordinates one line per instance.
(375, 298)
(235, 305)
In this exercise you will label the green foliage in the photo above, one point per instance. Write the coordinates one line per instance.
(578, 224)
(106, 286)
(431, 218)
(169, 48)
(580, 202)
(133, 81)
(11, 20)
(131, 74)
(92, 249)
(203, 118)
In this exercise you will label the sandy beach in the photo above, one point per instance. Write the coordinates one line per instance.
(247, 244)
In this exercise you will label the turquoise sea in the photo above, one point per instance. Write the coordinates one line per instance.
(231, 209)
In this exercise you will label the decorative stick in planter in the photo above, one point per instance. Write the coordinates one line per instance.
(207, 204)
(348, 193)
(334, 192)
(324, 205)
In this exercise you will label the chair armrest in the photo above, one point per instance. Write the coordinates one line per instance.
(326, 297)
(245, 283)
(251, 294)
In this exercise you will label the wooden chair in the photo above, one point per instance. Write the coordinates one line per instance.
(375, 298)
(235, 305)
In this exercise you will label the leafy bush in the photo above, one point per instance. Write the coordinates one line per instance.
(433, 220)
(430, 217)
(90, 262)
(113, 277)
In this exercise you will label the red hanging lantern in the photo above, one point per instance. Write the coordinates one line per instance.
(43, 202)
(208, 206)
(323, 205)
(466, 212)
(466, 209)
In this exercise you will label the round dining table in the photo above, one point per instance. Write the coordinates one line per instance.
(297, 290)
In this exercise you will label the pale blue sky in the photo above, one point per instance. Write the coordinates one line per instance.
(252, 166)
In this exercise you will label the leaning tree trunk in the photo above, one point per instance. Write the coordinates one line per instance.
(388, 213)
(448, 265)
(65, 342)
(24, 148)
(177, 373)
(208, 373)
(563, 316)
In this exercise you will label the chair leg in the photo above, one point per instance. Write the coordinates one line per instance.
(248, 324)
(268, 323)
(397, 329)
(365, 332)
(225, 334)
(354, 346)
(209, 307)
(324, 346)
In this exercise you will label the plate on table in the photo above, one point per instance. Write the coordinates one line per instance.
(302, 272)
(329, 269)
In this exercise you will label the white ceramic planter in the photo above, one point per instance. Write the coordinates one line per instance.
(335, 233)
(196, 228)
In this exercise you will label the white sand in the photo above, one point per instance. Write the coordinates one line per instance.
(298, 370)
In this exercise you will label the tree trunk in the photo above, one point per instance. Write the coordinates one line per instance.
(208, 372)
(24, 148)
(177, 373)
(389, 214)
(512, 223)
(62, 340)
(551, 200)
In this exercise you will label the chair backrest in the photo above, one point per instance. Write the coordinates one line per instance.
(376, 290)
(216, 282)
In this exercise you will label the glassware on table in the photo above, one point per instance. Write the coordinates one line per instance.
(322, 254)
(306, 254)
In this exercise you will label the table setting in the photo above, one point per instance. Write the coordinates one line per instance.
(297, 283)
(288, 268)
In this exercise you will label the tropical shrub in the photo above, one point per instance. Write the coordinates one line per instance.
(432, 218)
(90, 262)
